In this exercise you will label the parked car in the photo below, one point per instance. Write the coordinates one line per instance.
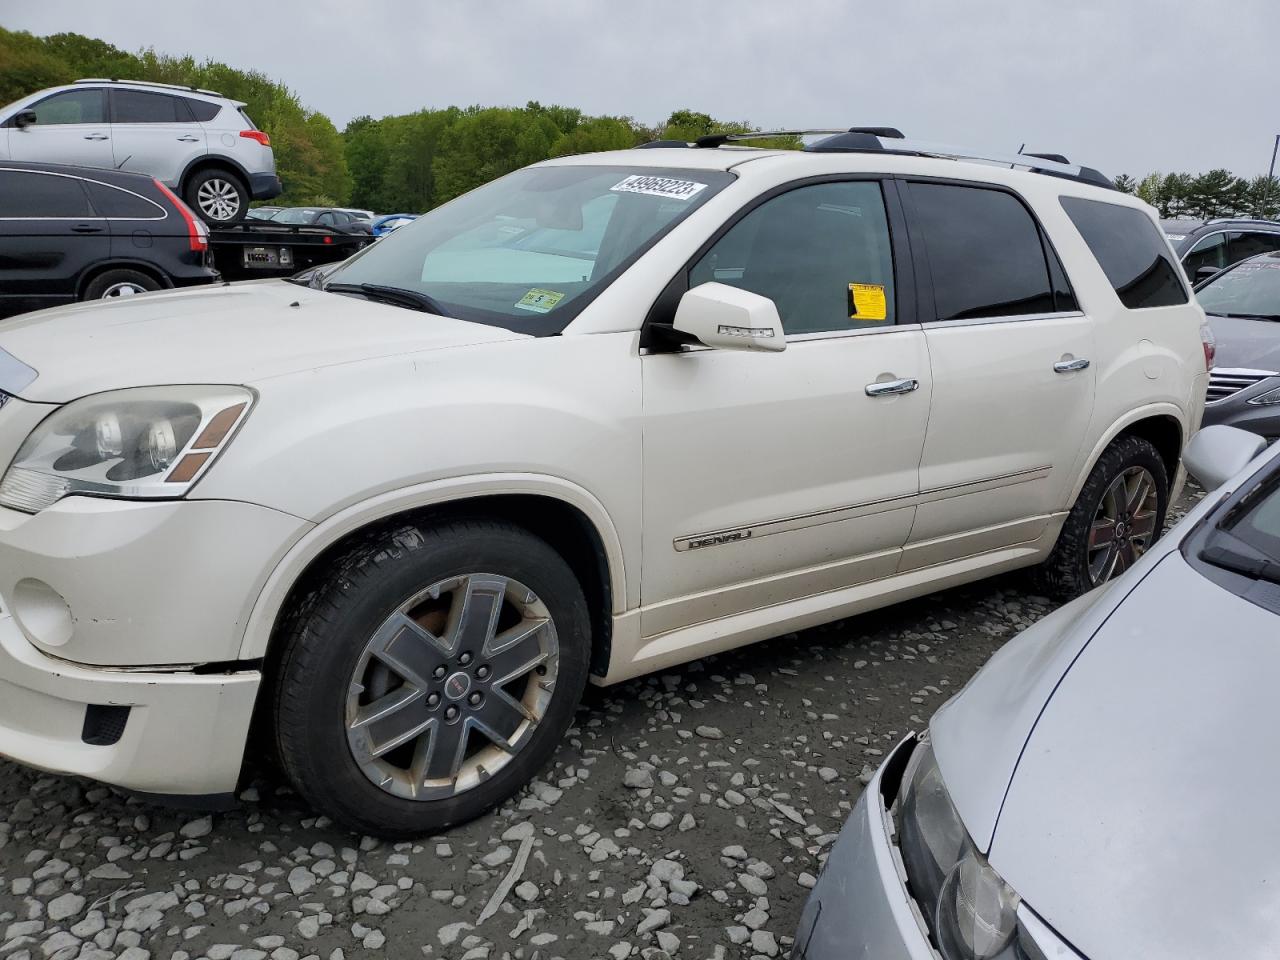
(74, 233)
(1243, 304)
(359, 214)
(201, 144)
(1089, 792)
(381, 226)
(263, 212)
(728, 393)
(343, 220)
(1207, 247)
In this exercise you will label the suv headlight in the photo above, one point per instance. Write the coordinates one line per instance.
(970, 910)
(147, 442)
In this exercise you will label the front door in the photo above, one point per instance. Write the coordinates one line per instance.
(770, 477)
(71, 127)
(1013, 380)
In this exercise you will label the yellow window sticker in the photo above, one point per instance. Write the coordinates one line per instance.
(539, 301)
(867, 302)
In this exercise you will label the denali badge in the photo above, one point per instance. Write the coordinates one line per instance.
(712, 539)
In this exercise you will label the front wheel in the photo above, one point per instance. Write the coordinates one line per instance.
(1118, 517)
(429, 674)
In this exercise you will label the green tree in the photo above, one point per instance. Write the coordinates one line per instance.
(1125, 183)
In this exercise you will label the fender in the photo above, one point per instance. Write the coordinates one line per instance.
(271, 598)
(1130, 417)
(211, 159)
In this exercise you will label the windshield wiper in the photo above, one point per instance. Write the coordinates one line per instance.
(1250, 564)
(399, 296)
(1251, 316)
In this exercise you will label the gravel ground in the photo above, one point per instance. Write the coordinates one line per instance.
(684, 816)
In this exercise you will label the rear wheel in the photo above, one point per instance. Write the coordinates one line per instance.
(429, 674)
(1118, 517)
(117, 284)
(218, 196)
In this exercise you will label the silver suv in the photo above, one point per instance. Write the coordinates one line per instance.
(197, 142)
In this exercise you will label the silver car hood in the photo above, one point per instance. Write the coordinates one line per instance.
(1141, 820)
(1246, 344)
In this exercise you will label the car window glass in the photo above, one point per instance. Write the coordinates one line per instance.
(326, 219)
(821, 253)
(1245, 244)
(138, 106)
(1132, 252)
(41, 195)
(1210, 251)
(202, 110)
(984, 251)
(121, 204)
(71, 106)
(1248, 290)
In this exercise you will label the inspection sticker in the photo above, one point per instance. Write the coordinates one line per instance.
(660, 187)
(539, 301)
(867, 302)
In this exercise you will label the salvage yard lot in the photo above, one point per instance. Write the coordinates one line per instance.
(685, 814)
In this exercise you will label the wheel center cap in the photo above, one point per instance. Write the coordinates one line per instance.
(457, 685)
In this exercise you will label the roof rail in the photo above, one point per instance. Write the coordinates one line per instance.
(151, 83)
(891, 140)
(1241, 220)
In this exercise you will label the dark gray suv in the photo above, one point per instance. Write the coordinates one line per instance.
(1205, 247)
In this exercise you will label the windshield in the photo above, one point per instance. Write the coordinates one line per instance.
(1252, 289)
(530, 251)
(296, 215)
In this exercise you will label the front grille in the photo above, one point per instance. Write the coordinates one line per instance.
(1227, 383)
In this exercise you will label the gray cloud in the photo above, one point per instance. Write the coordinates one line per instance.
(1124, 85)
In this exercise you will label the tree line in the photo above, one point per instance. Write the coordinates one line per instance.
(415, 161)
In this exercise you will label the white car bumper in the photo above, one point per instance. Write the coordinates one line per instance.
(182, 733)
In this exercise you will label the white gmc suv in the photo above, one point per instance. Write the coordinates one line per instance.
(602, 416)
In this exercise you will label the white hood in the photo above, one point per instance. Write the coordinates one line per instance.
(232, 333)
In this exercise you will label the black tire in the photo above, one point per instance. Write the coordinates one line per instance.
(118, 283)
(324, 638)
(225, 199)
(1066, 575)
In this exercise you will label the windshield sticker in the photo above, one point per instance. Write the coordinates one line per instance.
(659, 187)
(867, 302)
(539, 301)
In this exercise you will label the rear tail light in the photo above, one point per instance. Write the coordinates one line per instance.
(197, 232)
(259, 135)
(1210, 346)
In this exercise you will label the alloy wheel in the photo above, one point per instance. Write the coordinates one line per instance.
(125, 289)
(1124, 525)
(451, 686)
(218, 199)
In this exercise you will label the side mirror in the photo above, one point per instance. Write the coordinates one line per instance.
(24, 118)
(1218, 453)
(1204, 273)
(719, 315)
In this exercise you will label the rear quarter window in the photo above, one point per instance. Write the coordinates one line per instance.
(202, 110)
(1131, 251)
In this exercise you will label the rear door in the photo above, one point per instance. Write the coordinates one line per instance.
(49, 235)
(154, 133)
(1013, 382)
(71, 127)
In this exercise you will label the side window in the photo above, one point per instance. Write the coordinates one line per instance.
(71, 106)
(202, 110)
(24, 194)
(985, 253)
(1132, 252)
(821, 253)
(138, 106)
(1241, 246)
(326, 219)
(121, 204)
(1210, 251)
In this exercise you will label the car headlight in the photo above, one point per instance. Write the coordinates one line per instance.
(970, 910)
(147, 442)
(1264, 399)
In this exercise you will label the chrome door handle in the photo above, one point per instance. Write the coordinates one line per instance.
(188, 139)
(1068, 366)
(95, 136)
(891, 387)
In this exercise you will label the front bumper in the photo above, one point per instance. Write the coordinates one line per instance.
(183, 733)
(1236, 410)
(860, 906)
(264, 186)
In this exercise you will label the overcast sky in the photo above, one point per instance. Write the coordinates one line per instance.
(1128, 86)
